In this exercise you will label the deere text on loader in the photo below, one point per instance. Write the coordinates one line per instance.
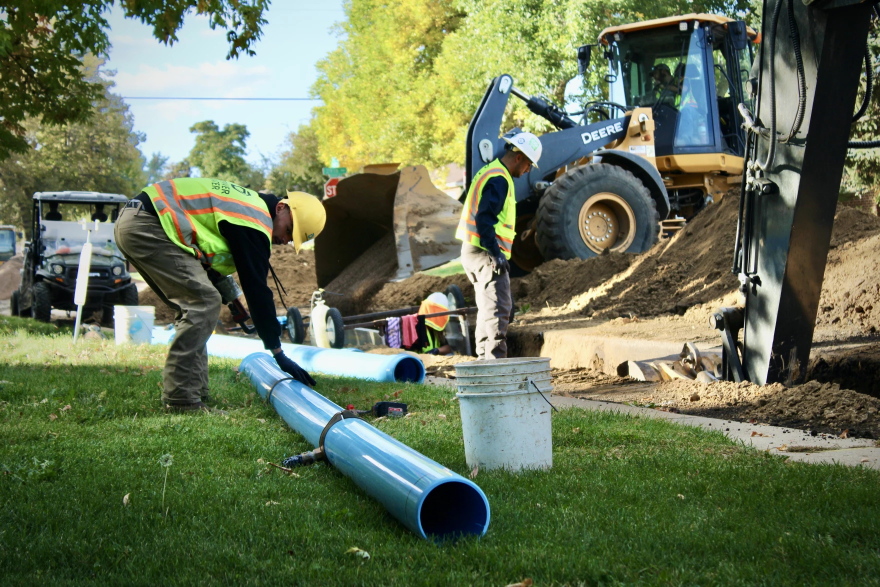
(668, 140)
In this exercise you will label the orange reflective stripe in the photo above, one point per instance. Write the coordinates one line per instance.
(192, 226)
(174, 216)
(227, 213)
(479, 188)
(230, 200)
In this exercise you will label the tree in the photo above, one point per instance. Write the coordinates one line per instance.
(299, 167)
(408, 75)
(43, 41)
(100, 154)
(220, 153)
(156, 167)
(862, 172)
(178, 169)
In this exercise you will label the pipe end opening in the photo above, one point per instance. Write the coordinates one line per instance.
(454, 509)
(409, 370)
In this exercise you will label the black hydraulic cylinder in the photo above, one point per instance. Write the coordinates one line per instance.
(546, 110)
(789, 212)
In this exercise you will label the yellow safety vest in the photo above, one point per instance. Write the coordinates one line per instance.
(190, 208)
(504, 229)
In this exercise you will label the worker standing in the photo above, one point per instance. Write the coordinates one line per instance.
(486, 230)
(183, 236)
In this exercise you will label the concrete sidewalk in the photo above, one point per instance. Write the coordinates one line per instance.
(797, 445)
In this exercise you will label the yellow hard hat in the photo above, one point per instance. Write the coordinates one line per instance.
(309, 217)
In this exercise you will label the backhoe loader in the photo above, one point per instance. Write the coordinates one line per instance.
(668, 140)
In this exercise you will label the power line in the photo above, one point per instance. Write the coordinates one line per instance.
(219, 99)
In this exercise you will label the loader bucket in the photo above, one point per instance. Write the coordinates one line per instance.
(384, 228)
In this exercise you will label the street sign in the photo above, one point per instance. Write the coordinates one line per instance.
(335, 171)
(330, 187)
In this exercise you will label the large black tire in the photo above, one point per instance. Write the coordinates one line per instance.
(335, 329)
(15, 303)
(295, 328)
(128, 296)
(454, 297)
(603, 204)
(41, 305)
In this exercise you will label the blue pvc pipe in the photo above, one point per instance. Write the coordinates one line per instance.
(397, 368)
(423, 495)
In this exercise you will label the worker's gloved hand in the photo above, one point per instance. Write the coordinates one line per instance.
(291, 368)
(501, 265)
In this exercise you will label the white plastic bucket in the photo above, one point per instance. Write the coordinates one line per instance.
(504, 416)
(133, 324)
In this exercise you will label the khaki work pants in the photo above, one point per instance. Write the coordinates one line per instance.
(493, 301)
(182, 283)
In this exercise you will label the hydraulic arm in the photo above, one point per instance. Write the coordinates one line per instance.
(799, 122)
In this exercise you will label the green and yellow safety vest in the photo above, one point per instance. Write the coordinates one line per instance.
(190, 208)
(504, 229)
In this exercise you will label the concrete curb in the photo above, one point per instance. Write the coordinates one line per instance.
(827, 449)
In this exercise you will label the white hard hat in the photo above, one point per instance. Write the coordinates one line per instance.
(528, 144)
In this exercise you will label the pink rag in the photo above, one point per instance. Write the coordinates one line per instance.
(408, 329)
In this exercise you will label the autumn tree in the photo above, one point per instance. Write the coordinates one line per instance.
(42, 43)
(408, 75)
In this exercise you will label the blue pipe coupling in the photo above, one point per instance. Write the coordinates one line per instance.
(423, 495)
(399, 368)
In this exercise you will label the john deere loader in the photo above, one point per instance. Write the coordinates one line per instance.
(668, 140)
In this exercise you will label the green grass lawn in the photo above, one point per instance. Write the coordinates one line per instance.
(628, 501)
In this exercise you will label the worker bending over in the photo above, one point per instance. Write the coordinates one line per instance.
(183, 236)
(486, 230)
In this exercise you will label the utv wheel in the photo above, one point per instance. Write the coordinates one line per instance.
(335, 329)
(125, 297)
(129, 296)
(41, 305)
(14, 303)
(595, 208)
(295, 329)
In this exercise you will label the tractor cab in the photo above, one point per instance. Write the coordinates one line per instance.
(692, 71)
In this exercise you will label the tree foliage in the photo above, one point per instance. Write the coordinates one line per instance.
(408, 75)
(99, 154)
(220, 153)
(43, 41)
(299, 167)
(155, 168)
(862, 173)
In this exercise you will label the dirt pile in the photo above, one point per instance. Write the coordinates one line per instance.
(689, 274)
(688, 269)
(820, 407)
(411, 292)
(851, 290)
(295, 272)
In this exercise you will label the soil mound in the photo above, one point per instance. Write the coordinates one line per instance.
(690, 268)
(820, 407)
(411, 292)
(690, 274)
(295, 272)
(850, 300)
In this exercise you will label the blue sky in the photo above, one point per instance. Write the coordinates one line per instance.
(297, 36)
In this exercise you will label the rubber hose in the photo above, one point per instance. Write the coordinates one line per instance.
(799, 63)
(771, 149)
